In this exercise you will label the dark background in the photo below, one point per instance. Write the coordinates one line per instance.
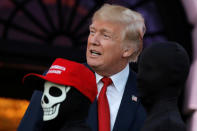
(35, 32)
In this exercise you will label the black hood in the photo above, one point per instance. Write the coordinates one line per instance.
(162, 72)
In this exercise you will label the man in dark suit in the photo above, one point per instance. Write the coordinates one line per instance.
(115, 39)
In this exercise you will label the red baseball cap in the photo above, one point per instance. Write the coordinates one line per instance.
(69, 73)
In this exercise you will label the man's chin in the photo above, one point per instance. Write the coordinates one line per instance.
(93, 65)
(92, 62)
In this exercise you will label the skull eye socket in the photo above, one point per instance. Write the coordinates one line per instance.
(54, 91)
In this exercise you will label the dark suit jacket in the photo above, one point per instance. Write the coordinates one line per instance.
(130, 117)
(32, 120)
(131, 114)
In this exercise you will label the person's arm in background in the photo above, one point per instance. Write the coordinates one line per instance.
(190, 107)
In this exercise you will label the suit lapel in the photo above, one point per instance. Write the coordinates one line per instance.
(127, 110)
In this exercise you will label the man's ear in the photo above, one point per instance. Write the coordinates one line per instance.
(128, 52)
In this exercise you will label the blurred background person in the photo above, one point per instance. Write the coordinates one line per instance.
(162, 73)
(190, 104)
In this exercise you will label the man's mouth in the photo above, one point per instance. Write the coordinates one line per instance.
(95, 53)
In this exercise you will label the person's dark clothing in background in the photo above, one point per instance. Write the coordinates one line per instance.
(162, 73)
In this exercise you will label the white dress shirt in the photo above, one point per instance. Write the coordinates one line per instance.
(114, 91)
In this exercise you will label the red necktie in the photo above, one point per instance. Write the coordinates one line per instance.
(103, 106)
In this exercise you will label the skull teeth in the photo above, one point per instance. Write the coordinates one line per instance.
(49, 111)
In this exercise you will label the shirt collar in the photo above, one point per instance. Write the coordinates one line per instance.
(119, 79)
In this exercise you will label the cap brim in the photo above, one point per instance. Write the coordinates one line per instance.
(34, 81)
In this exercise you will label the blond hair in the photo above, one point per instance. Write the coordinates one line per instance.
(133, 22)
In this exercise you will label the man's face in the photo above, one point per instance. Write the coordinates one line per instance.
(105, 47)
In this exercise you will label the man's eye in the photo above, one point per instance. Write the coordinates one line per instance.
(107, 36)
(92, 32)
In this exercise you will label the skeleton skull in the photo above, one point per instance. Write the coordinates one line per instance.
(52, 97)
